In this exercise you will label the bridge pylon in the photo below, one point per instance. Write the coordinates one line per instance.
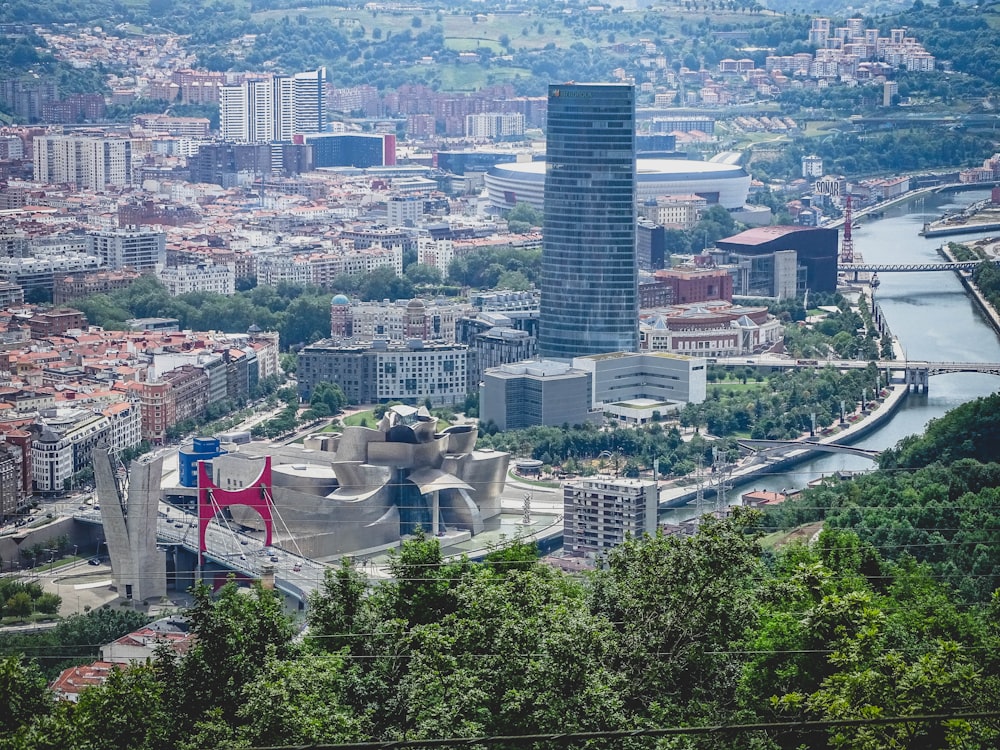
(917, 377)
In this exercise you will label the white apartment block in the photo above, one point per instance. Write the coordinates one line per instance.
(437, 253)
(283, 267)
(217, 278)
(11, 147)
(494, 125)
(404, 210)
(321, 269)
(599, 513)
(124, 425)
(812, 166)
(273, 108)
(398, 321)
(39, 272)
(138, 248)
(63, 447)
(436, 372)
(84, 162)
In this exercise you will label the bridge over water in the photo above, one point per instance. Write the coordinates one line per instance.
(912, 374)
(767, 445)
(857, 268)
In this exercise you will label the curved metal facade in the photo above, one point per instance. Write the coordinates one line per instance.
(524, 182)
(589, 301)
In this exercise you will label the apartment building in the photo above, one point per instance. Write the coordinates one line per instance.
(600, 513)
(85, 162)
(381, 371)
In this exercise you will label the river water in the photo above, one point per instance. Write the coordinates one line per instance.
(932, 316)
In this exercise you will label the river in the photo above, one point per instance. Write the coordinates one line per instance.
(932, 316)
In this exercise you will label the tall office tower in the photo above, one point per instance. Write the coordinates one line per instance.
(272, 109)
(589, 280)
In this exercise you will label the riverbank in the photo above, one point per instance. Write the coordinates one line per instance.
(757, 466)
(981, 302)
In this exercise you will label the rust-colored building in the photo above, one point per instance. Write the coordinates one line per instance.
(79, 285)
(181, 394)
(697, 285)
(56, 322)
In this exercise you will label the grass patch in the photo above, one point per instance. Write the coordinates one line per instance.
(60, 563)
(817, 128)
(799, 534)
(534, 482)
(361, 419)
(473, 44)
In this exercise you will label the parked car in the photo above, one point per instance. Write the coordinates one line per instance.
(94, 561)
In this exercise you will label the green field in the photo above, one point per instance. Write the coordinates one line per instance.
(522, 31)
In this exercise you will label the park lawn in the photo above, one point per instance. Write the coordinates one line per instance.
(472, 44)
(361, 419)
(369, 420)
(534, 482)
(817, 128)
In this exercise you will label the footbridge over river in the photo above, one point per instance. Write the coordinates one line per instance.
(768, 445)
(856, 268)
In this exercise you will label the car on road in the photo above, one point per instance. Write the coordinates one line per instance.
(94, 561)
(297, 567)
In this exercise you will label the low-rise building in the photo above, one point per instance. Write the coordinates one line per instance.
(709, 329)
(526, 394)
(635, 386)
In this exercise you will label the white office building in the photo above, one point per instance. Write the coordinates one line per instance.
(632, 386)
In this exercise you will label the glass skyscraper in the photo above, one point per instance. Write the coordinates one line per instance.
(589, 294)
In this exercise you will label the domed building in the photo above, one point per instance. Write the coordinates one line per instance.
(340, 317)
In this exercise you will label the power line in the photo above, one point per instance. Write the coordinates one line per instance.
(565, 738)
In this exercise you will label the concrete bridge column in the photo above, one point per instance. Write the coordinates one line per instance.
(918, 378)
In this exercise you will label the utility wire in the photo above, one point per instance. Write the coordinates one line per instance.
(567, 738)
